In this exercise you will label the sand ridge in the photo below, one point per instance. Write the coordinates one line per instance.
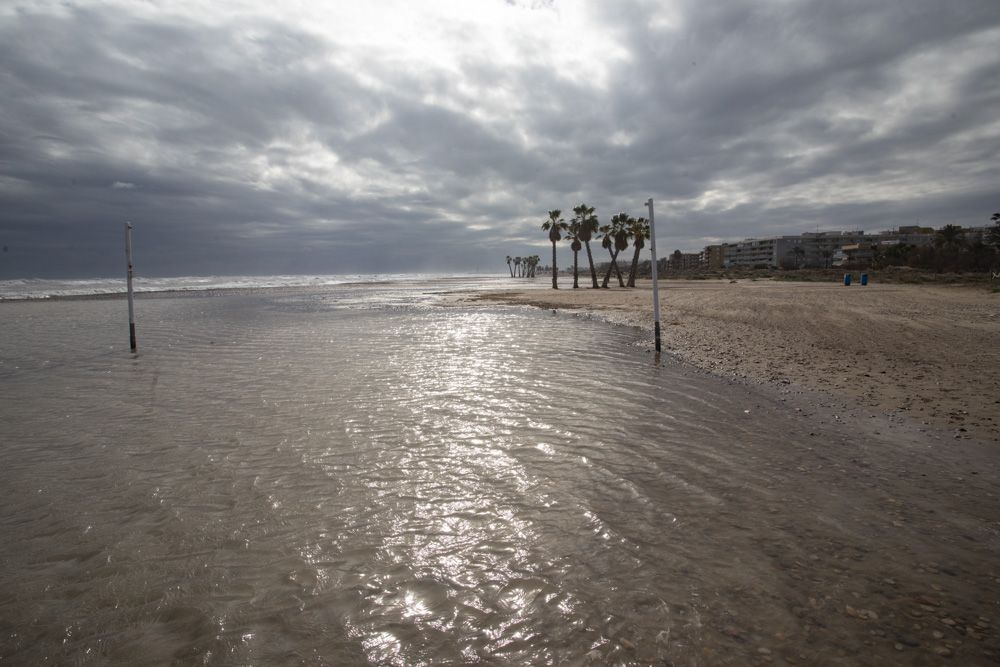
(929, 351)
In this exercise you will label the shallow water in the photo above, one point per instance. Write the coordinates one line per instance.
(355, 475)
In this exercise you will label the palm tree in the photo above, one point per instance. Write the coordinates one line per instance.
(588, 224)
(509, 267)
(611, 234)
(573, 236)
(639, 231)
(554, 226)
(621, 240)
(517, 266)
(608, 244)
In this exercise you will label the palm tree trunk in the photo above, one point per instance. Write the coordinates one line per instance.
(635, 267)
(593, 271)
(555, 272)
(612, 266)
(621, 283)
(576, 270)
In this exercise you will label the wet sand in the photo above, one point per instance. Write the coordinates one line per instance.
(928, 352)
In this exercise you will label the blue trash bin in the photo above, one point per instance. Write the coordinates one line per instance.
(847, 278)
(864, 279)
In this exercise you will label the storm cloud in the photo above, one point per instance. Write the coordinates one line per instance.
(398, 136)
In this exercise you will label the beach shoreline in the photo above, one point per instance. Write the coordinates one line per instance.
(927, 352)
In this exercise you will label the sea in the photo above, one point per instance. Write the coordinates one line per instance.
(48, 288)
(370, 470)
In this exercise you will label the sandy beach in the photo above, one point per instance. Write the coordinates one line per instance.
(926, 351)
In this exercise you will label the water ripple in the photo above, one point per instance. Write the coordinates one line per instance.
(291, 479)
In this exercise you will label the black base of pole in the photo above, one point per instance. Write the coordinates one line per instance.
(131, 335)
(657, 328)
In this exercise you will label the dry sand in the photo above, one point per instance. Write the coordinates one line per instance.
(932, 352)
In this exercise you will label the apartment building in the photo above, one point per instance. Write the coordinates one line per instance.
(821, 247)
(712, 256)
(682, 261)
(909, 234)
(975, 234)
(817, 249)
(769, 252)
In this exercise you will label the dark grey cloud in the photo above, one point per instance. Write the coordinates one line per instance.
(249, 142)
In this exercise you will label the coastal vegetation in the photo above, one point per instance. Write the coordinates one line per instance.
(951, 251)
(615, 237)
(953, 256)
(586, 226)
(555, 225)
(638, 232)
(522, 267)
(573, 236)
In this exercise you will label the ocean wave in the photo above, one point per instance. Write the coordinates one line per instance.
(40, 288)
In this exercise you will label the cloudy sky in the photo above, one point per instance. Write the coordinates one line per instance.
(338, 137)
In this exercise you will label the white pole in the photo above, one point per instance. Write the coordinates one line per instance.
(131, 307)
(656, 290)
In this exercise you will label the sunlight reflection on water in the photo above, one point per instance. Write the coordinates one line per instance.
(284, 477)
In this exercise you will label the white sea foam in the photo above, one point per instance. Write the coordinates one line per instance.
(41, 288)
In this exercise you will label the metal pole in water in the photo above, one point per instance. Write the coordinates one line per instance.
(656, 290)
(131, 307)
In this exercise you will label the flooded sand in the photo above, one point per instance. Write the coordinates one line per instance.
(926, 350)
(351, 475)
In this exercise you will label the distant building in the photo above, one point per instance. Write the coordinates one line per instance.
(910, 235)
(811, 249)
(854, 254)
(820, 247)
(750, 253)
(712, 256)
(683, 261)
(763, 253)
(975, 234)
